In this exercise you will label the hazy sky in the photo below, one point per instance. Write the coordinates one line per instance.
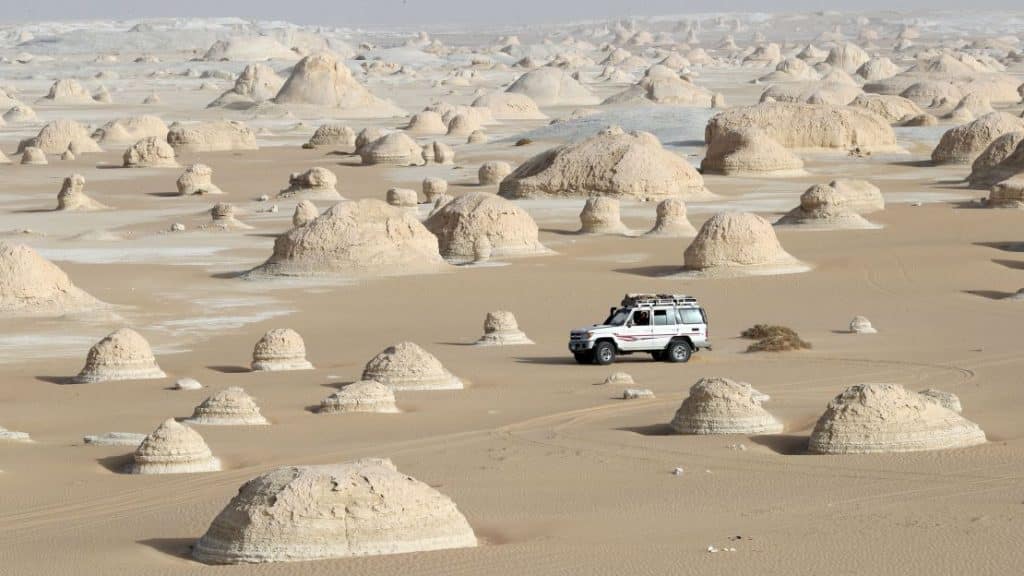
(414, 12)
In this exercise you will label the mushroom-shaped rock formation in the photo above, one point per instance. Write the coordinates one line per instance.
(305, 212)
(600, 215)
(31, 285)
(460, 224)
(750, 152)
(280, 349)
(493, 172)
(427, 122)
(611, 163)
(62, 134)
(552, 86)
(661, 85)
(173, 448)
(501, 329)
(317, 182)
(197, 179)
(32, 156)
(824, 207)
(402, 197)
(394, 148)
(407, 366)
(362, 396)
(873, 418)
(72, 196)
(151, 152)
(223, 215)
(738, 243)
(211, 137)
(861, 325)
(229, 407)
(812, 126)
(434, 187)
(359, 237)
(122, 355)
(671, 220)
(359, 508)
(257, 83)
(326, 85)
(335, 135)
(723, 406)
(962, 144)
(130, 130)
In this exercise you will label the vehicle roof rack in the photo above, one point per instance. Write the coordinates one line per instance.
(636, 300)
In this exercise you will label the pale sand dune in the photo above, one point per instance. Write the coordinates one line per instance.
(554, 474)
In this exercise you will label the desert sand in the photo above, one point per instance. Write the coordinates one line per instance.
(298, 310)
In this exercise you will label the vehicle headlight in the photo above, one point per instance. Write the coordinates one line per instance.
(588, 335)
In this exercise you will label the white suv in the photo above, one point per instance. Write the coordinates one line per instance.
(668, 326)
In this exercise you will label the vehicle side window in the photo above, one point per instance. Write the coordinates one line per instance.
(661, 318)
(690, 316)
(641, 318)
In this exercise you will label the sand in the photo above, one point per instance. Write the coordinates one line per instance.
(555, 473)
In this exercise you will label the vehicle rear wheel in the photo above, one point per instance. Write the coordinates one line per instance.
(583, 357)
(604, 353)
(678, 351)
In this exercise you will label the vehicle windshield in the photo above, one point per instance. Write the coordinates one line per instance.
(618, 318)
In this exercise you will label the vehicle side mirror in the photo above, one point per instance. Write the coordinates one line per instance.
(629, 324)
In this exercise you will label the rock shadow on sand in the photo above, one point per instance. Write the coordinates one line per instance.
(177, 547)
(660, 429)
(229, 369)
(784, 444)
(662, 271)
(990, 294)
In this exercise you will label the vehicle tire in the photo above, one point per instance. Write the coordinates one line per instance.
(583, 357)
(678, 351)
(658, 355)
(604, 353)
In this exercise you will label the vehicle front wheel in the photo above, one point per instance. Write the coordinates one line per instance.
(604, 353)
(583, 357)
(678, 351)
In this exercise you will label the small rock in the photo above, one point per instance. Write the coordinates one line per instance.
(177, 227)
(712, 549)
(187, 384)
(273, 209)
(115, 439)
(916, 204)
(677, 471)
(635, 393)
(263, 198)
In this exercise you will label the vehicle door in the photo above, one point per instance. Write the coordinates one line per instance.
(693, 325)
(664, 327)
(636, 333)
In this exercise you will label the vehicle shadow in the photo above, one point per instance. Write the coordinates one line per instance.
(546, 360)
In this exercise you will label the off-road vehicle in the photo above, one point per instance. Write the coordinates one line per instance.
(670, 327)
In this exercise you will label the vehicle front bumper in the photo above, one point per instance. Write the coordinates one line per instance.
(580, 345)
